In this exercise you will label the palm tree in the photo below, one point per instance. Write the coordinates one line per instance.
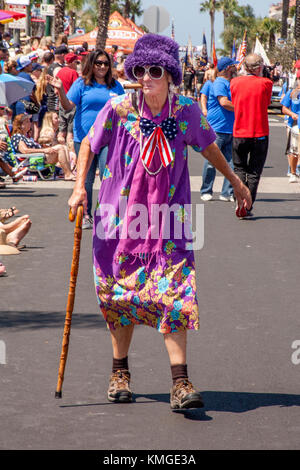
(243, 18)
(103, 18)
(59, 15)
(136, 10)
(210, 6)
(228, 8)
(128, 8)
(284, 17)
(269, 27)
(297, 27)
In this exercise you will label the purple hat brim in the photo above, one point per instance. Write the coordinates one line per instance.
(153, 49)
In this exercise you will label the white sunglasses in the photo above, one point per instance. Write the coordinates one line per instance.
(154, 71)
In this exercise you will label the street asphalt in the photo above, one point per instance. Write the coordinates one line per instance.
(244, 359)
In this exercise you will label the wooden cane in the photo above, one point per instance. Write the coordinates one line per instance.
(71, 297)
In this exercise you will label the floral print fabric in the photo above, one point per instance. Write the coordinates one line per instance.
(161, 293)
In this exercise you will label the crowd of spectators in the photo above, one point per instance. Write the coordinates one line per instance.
(37, 131)
(69, 86)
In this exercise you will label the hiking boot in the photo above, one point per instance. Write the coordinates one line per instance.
(183, 395)
(118, 389)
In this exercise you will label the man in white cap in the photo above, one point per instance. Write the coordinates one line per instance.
(24, 68)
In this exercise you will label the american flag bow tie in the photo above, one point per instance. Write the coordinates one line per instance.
(168, 126)
(157, 137)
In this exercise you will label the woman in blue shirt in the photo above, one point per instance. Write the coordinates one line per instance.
(89, 94)
(291, 108)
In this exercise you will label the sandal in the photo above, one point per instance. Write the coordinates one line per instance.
(70, 179)
(8, 213)
(19, 247)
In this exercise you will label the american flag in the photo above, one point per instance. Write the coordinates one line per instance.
(204, 57)
(242, 49)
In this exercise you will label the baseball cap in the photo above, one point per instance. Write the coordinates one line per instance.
(33, 55)
(62, 49)
(225, 62)
(22, 62)
(71, 57)
(36, 66)
(81, 51)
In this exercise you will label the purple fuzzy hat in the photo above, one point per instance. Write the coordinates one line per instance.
(153, 49)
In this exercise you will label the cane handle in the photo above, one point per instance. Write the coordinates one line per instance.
(78, 216)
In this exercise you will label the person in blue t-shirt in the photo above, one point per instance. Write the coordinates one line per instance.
(220, 115)
(204, 94)
(89, 94)
(291, 108)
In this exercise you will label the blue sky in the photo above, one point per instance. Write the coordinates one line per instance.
(188, 20)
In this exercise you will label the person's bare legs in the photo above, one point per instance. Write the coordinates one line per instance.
(293, 161)
(16, 236)
(61, 137)
(121, 340)
(62, 159)
(11, 226)
(176, 347)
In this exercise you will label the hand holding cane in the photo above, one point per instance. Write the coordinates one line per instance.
(71, 297)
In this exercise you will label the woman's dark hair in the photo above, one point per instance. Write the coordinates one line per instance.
(88, 68)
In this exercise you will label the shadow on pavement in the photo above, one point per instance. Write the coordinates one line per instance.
(34, 320)
(290, 199)
(274, 217)
(230, 402)
(23, 194)
(241, 402)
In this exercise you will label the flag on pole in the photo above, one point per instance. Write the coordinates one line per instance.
(259, 49)
(173, 30)
(186, 57)
(242, 50)
(190, 51)
(233, 50)
(215, 59)
(204, 56)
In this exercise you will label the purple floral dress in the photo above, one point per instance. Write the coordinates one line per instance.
(146, 281)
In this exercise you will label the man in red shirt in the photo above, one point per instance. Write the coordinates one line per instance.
(68, 75)
(251, 96)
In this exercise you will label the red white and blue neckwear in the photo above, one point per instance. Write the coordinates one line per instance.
(157, 136)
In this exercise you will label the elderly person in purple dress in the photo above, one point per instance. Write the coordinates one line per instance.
(144, 267)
